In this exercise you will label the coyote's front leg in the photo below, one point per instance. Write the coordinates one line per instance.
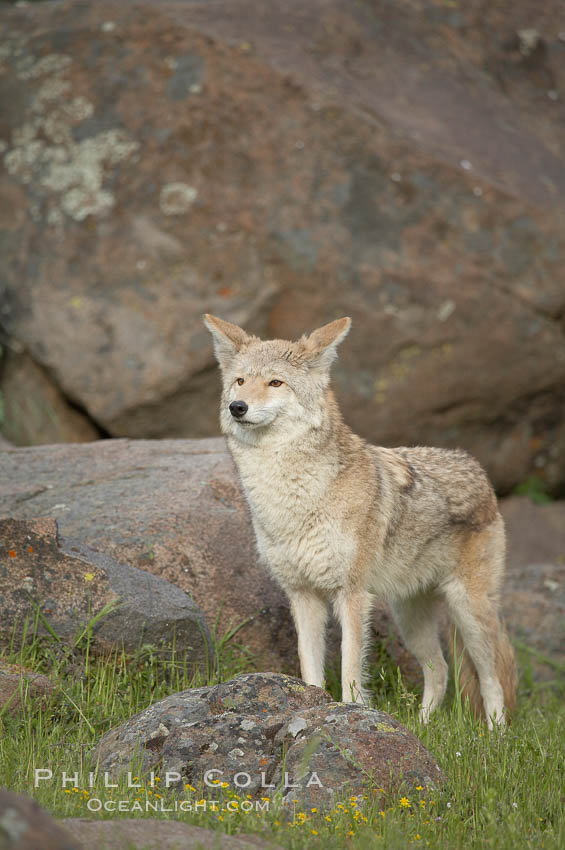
(352, 610)
(310, 613)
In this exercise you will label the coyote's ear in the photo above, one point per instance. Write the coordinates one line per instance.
(227, 338)
(320, 348)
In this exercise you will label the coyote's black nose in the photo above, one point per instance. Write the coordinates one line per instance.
(238, 409)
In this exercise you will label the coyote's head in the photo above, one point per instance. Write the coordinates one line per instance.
(273, 386)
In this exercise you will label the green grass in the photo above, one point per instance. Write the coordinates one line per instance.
(503, 790)
(536, 489)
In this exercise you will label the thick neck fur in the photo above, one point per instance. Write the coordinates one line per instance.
(308, 455)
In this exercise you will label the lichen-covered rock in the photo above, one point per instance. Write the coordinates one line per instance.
(269, 735)
(73, 585)
(266, 694)
(343, 744)
(132, 238)
(395, 162)
(262, 695)
(26, 826)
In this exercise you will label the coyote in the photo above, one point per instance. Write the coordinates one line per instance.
(339, 521)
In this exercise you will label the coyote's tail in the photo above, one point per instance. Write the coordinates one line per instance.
(506, 670)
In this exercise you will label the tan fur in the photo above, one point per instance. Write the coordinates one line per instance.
(469, 680)
(339, 521)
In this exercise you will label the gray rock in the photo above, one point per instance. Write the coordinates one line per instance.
(533, 595)
(151, 834)
(345, 745)
(253, 694)
(148, 608)
(270, 735)
(26, 826)
(73, 584)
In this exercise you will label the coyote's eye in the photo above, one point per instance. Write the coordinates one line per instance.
(275, 383)
(240, 381)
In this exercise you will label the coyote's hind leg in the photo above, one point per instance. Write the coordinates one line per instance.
(418, 621)
(476, 620)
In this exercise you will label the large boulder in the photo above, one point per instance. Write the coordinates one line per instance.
(126, 239)
(281, 166)
(80, 593)
(143, 735)
(266, 733)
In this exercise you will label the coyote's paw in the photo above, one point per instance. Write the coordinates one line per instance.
(497, 721)
(424, 714)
